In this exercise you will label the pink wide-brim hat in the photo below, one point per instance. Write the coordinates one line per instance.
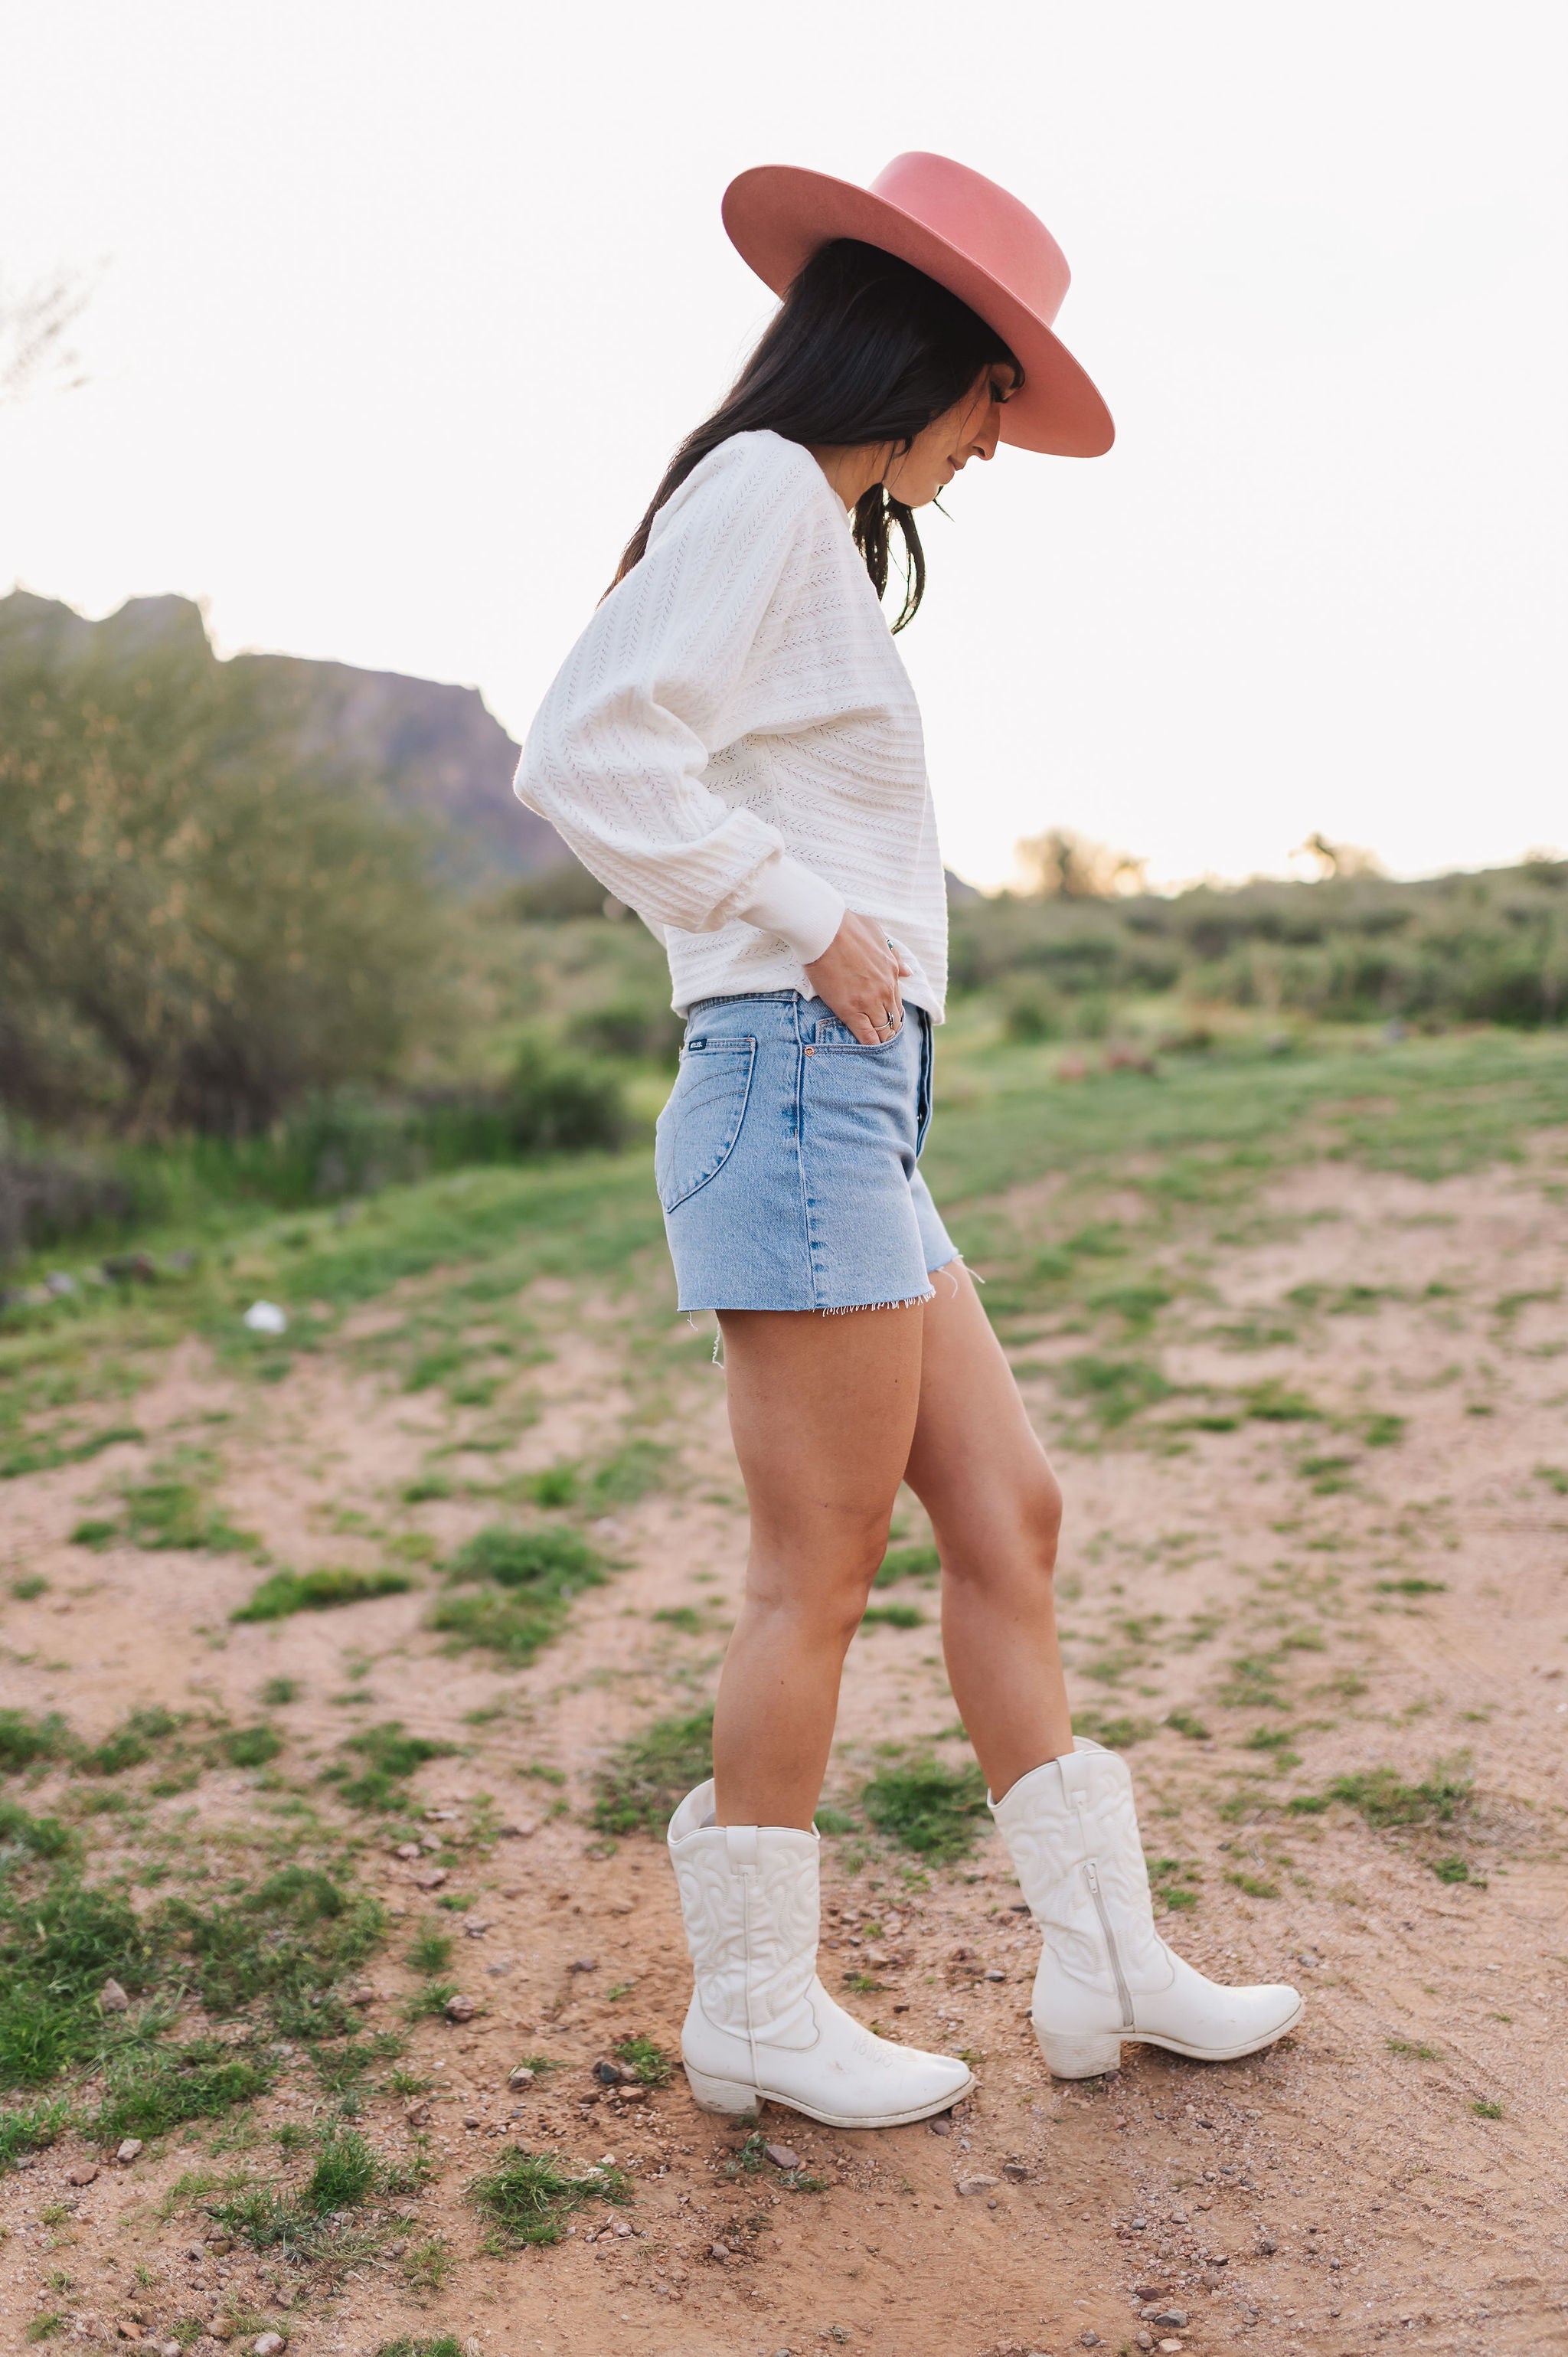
(969, 235)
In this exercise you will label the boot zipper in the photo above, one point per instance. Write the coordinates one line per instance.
(1123, 1993)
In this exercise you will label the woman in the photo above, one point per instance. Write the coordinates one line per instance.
(734, 749)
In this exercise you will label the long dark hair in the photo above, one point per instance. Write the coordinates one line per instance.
(863, 348)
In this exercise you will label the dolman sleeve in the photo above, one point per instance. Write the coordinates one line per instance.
(616, 757)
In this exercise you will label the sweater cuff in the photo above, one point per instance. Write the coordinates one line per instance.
(789, 900)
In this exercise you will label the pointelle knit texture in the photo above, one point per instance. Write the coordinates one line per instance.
(732, 747)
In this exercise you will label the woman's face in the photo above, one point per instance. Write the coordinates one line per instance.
(969, 429)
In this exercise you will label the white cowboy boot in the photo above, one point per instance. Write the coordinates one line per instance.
(761, 2028)
(1105, 1974)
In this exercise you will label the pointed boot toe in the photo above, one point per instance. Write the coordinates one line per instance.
(761, 2028)
(1105, 1975)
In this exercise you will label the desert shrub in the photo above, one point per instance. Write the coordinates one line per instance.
(195, 931)
(640, 1027)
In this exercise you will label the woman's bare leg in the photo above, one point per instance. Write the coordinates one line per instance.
(823, 1410)
(983, 1479)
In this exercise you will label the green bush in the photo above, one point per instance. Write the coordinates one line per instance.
(196, 931)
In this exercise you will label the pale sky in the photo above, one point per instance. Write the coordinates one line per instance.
(402, 308)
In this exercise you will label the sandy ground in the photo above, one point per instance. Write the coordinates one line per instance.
(1340, 2192)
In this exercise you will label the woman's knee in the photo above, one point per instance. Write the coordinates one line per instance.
(827, 1585)
(1016, 1539)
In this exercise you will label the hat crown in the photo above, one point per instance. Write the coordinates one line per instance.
(983, 221)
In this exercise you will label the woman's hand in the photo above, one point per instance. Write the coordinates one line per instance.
(861, 977)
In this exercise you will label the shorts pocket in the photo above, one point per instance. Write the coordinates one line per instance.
(832, 1033)
(698, 1128)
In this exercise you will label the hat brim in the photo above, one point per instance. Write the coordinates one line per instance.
(777, 216)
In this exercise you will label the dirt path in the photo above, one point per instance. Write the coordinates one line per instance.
(1361, 1564)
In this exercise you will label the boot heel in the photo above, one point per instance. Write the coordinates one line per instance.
(1078, 2057)
(729, 2096)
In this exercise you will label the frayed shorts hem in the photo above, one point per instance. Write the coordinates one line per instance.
(823, 1308)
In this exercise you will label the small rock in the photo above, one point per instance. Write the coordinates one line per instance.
(1144, 2339)
(267, 2344)
(220, 2245)
(1015, 2171)
(81, 2176)
(461, 2008)
(220, 2328)
(1151, 2290)
(995, 1974)
(611, 2074)
(1173, 2319)
(584, 1965)
(1090, 2339)
(1170, 2348)
(112, 1998)
(472, 2120)
(718, 2251)
(520, 1831)
(128, 2151)
(976, 2184)
(408, 1850)
(394, 2250)
(1267, 2246)
(363, 1996)
(520, 2078)
(476, 1926)
(128, 2331)
(940, 2125)
(781, 2157)
(169, 2349)
(431, 1879)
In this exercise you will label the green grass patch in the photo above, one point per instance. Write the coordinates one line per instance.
(390, 1756)
(528, 1580)
(430, 1951)
(1485, 2109)
(39, 1836)
(130, 1744)
(1187, 1723)
(653, 2067)
(284, 1592)
(532, 2197)
(1114, 1390)
(1383, 1797)
(893, 1616)
(25, 1740)
(1408, 2050)
(640, 1788)
(57, 1947)
(1256, 1886)
(249, 1747)
(1411, 1586)
(149, 2089)
(934, 1811)
(281, 1947)
(42, 1455)
(921, 1563)
(1450, 1869)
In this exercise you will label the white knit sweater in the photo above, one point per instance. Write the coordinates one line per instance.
(733, 745)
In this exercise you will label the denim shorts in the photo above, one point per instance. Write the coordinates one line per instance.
(785, 1160)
